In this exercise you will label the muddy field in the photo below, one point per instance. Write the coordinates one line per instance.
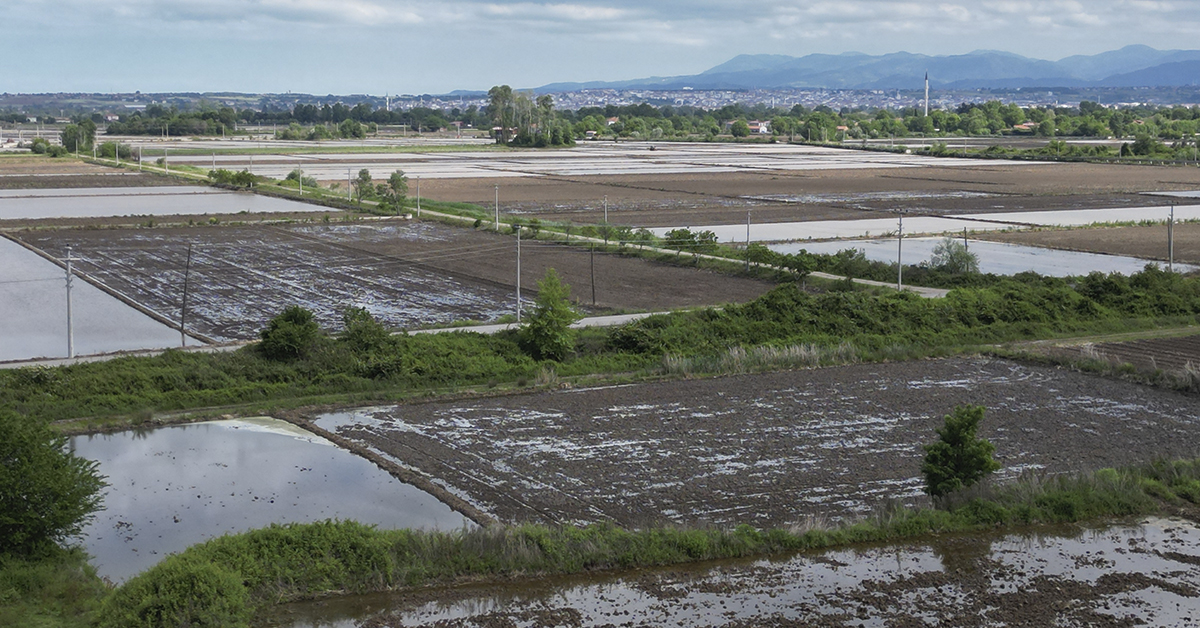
(408, 274)
(1145, 242)
(37, 172)
(1167, 353)
(768, 450)
(1123, 574)
(781, 196)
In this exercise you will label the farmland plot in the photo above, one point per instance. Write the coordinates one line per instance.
(768, 450)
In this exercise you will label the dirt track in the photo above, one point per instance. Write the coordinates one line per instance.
(768, 450)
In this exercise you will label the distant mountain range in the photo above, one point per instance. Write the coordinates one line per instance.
(1131, 66)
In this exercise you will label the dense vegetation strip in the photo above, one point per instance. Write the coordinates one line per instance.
(365, 362)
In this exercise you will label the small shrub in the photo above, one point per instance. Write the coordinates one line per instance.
(179, 592)
(289, 335)
(959, 458)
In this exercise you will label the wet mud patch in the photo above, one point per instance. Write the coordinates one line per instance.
(769, 450)
(1122, 574)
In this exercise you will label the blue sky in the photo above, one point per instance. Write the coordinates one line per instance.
(434, 46)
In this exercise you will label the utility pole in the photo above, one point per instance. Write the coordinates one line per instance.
(899, 254)
(187, 268)
(747, 240)
(926, 93)
(166, 163)
(1171, 241)
(349, 185)
(215, 158)
(497, 208)
(518, 230)
(70, 328)
(593, 274)
(606, 209)
(300, 180)
(418, 197)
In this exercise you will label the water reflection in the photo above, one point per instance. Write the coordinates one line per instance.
(175, 486)
(994, 257)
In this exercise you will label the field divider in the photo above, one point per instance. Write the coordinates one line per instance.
(117, 294)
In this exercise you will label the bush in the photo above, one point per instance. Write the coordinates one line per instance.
(289, 335)
(179, 592)
(959, 459)
(47, 493)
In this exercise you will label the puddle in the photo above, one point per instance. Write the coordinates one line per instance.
(1123, 573)
(172, 487)
(33, 308)
(160, 201)
(994, 257)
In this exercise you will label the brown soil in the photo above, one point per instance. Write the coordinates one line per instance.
(721, 198)
(768, 450)
(407, 273)
(38, 172)
(1144, 242)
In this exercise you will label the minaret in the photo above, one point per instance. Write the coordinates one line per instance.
(927, 93)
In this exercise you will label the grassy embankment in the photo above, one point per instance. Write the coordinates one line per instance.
(786, 328)
(230, 580)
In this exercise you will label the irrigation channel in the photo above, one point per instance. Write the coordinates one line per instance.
(172, 487)
(1127, 573)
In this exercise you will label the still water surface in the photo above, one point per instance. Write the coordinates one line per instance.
(994, 257)
(171, 487)
(150, 201)
(33, 313)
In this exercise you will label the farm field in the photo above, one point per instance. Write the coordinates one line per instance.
(767, 450)
(407, 274)
(1147, 242)
(24, 171)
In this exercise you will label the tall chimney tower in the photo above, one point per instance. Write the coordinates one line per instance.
(926, 93)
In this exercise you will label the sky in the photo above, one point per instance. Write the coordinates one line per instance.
(437, 46)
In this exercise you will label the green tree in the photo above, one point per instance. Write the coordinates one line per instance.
(951, 256)
(500, 110)
(398, 183)
(548, 334)
(289, 335)
(959, 458)
(362, 185)
(739, 128)
(47, 493)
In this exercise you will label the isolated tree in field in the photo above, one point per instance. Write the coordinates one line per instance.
(290, 334)
(959, 458)
(362, 185)
(548, 334)
(951, 256)
(47, 493)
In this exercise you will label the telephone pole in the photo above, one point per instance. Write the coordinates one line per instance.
(187, 267)
(900, 254)
(518, 230)
(70, 328)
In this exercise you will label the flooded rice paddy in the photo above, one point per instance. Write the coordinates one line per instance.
(868, 227)
(172, 487)
(33, 313)
(240, 277)
(768, 450)
(1128, 573)
(142, 201)
(994, 257)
